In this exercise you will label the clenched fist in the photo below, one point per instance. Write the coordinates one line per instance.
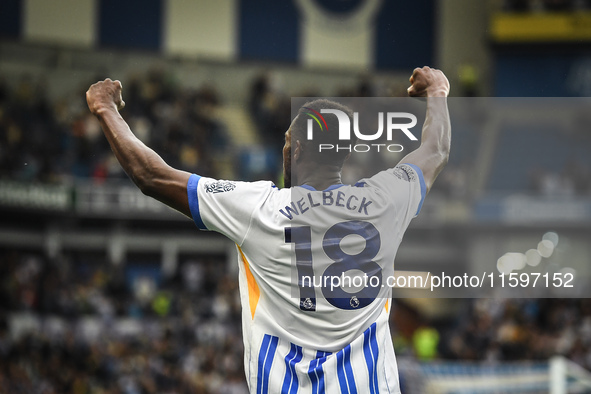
(428, 82)
(104, 95)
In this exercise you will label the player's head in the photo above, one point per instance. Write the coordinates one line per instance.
(325, 131)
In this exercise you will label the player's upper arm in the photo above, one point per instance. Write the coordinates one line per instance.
(429, 160)
(433, 153)
(225, 206)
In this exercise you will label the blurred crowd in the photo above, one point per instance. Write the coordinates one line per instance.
(58, 140)
(517, 329)
(573, 180)
(495, 330)
(55, 141)
(75, 324)
(78, 325)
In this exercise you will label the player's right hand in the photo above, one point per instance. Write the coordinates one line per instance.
(428, 82)
(104, 95)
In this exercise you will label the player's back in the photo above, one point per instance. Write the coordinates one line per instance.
(314, 268)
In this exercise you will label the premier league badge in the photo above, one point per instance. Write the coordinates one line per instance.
(307, 304)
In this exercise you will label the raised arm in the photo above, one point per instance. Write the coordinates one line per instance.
(433, 153)
(146, 169)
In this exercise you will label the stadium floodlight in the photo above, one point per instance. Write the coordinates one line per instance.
(533, 257)
(546, 248)
(552, 237)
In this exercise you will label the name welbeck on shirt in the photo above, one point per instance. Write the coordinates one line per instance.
(327, 198)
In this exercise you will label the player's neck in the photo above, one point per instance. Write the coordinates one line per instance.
(320, 177)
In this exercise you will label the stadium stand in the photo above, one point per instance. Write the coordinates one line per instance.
(130, 327)
(558, 161)
(103, 290)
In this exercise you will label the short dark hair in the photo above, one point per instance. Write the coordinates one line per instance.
(330, 136)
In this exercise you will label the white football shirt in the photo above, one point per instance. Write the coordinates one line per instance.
(304, 331)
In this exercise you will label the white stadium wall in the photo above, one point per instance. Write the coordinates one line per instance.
(360, 35)
(71, 22)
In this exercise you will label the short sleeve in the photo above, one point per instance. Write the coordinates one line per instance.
(405, 185)
(225, 206)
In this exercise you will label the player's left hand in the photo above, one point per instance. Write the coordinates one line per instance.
(105, 95)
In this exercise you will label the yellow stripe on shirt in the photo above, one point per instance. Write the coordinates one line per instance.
(254, 292)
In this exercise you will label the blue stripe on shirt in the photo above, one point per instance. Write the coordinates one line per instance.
(261, 363)
(288, 371)
(349, 371)
(194, 200)
(376, 353)
(341, 374)
(423, 185)
(266, 355)
(268, 363)
(316, 373)
(371, 357)
(344, 371)
(290, 382)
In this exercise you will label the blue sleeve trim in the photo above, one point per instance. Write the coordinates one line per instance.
(332, 187)
(194, 201)
(423, 185)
